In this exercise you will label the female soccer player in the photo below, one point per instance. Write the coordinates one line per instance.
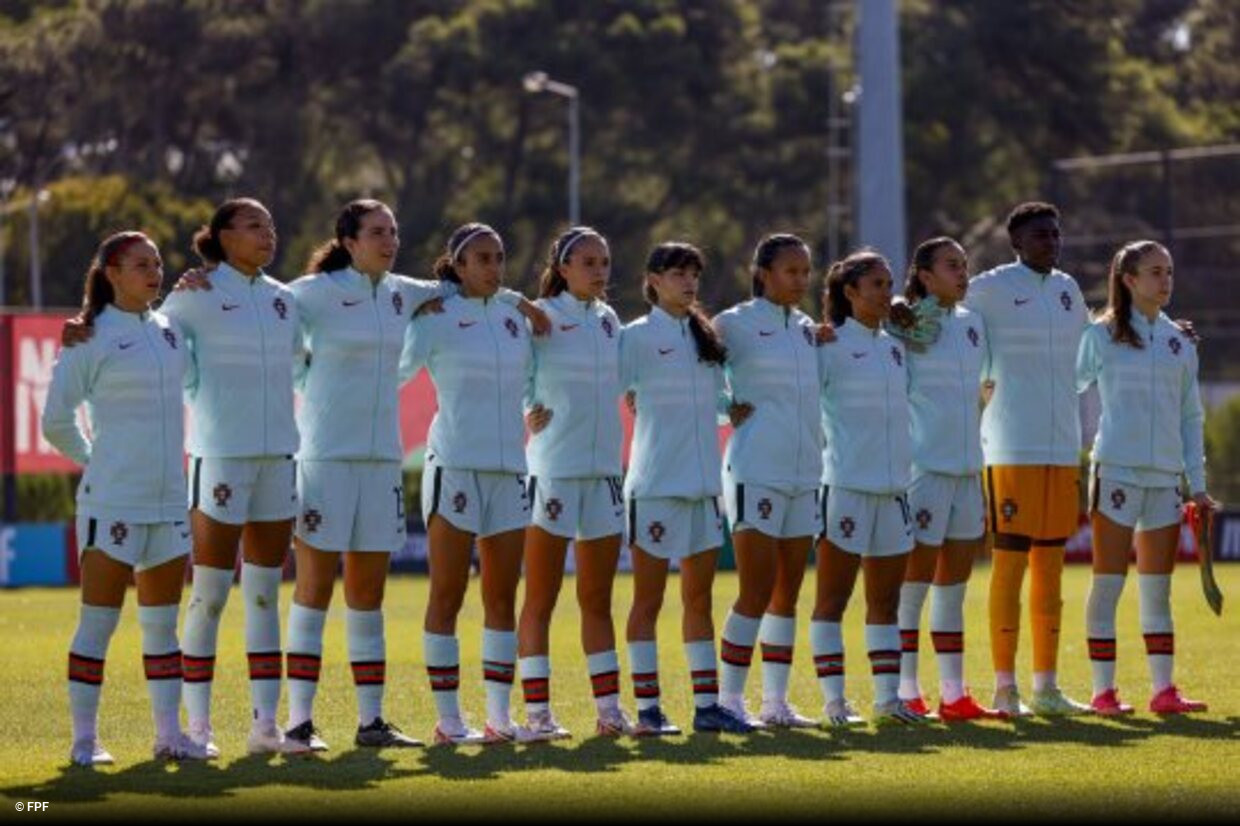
(478, 354)
(131, 515)
(772, 469)
(945, 497)
(575, 489)
(866, 521)
(1150, 433)
(241, 337)
(673, 360)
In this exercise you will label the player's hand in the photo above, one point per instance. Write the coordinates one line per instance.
(1189, 331)
(537, 418)
(824, 333)
(739, 412)
(193, 280)
(76, 330)
(540, 322)
(433, 306)
(988, 390)
(630, 401)
(1206, 504)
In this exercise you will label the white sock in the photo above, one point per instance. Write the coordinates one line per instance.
(87, 653)
(443, 666)
(499, 655)
(305, 656)
(1044, 680)
(1104, 593)
(604, 668)
(536, 683)
(1156, 625)
(368, 658)
(778, 635)
(826, 643)
(1005, 679)
(644, 666)
(883, 644)
(161, 657)
(947, 634)
(735, 654)
(703, 672)
(208, 596)
(912, 598)
(260, 588)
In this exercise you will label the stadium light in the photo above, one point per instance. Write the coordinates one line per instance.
(536, 82)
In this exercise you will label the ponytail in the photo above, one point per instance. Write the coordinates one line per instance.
(846, 273)
(206, 241)
(333, 255)
(1118, 312)
(678, 255)
(444, 268)
(97, 292)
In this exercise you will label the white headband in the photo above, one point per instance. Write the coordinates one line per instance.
(455, 252)
(569, 246)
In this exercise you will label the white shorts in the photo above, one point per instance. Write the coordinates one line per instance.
(351, 505)
(867, 524)
(484, 503)
(237, 491)
(1133, 506)
(141, 546)
(581, 509)
(946, 507)
(672, 528)
(781, 515)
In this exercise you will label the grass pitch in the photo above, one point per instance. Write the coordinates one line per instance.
(1141, 766)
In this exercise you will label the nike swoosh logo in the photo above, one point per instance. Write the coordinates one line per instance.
(464, 324)
(1020, 302)
(663, 352)
(765, 333)
(859, 355)
(566, 327)
(125, 345)
(227, 307)
(351, 303)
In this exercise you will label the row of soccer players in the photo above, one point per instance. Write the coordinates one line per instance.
(862, 433)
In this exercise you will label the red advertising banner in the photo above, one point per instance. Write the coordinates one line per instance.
(32, 342)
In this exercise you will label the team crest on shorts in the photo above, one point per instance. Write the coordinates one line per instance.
(656, 531)
(459, 502)
(847, 527)
(280, 307)
(1008, 509)
(764, 508)
(511, 327)
(398, 302)
(222, 493)
(608, 329)
(897, 356)
(553, 509)
(974, 338)
(311, 518)
(119, 532)
(1175, 345)
(1118, 498)
(924, 518)
(170, 337)
(1065, 298)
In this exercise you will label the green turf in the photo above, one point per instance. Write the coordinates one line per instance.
(1141, 766)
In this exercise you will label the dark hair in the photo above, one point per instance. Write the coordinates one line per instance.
(846, 273)
(98, 292)
(766, 252)
(1118, 312)
(1029, 211)
(206, 241)
(672, 255)
(332, 255)
(444, 267)
(551, 282)
(923, 259)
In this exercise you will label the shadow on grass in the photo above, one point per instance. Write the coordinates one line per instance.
(597, 756)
